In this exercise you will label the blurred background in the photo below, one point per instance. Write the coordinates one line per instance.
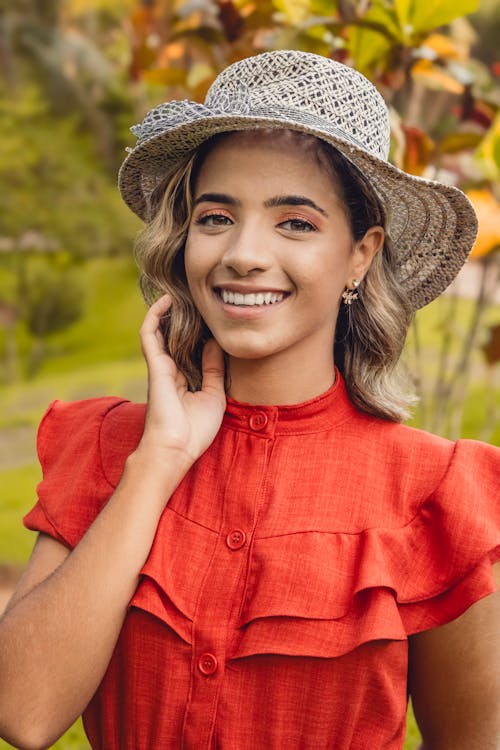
(76, 74)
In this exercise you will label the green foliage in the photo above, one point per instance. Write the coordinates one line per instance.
(52, 183)
(379, 35)
(16, 498)
(415, 16)
(53, 302)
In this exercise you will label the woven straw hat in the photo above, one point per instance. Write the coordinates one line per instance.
(432, 226)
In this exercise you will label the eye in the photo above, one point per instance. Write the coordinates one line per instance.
(297, 225)
(214, 220)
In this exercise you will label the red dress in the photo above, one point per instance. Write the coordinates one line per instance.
(287, 571)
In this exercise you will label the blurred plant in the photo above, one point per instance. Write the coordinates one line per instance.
(56, 199)
(53, 300)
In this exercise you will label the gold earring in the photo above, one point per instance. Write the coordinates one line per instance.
(349, 295)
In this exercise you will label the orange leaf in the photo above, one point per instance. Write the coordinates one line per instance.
(436, 78)
(488, 214)
(418, 149)
(444, 47)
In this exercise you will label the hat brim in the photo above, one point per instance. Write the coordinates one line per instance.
(432, 226)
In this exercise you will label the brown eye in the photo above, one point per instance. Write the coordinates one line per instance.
(298, 225)
(214, 220)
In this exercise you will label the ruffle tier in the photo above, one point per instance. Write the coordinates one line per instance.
(381, 583)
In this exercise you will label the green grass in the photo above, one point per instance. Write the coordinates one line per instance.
(18, 496)
(109, 329)
(475, 411)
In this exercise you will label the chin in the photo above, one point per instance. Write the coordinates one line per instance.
(247, 350)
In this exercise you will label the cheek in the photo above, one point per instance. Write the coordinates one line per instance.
(192, 263)
(200, 257)
(322, 269)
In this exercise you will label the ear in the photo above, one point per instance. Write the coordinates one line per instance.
(365, 250)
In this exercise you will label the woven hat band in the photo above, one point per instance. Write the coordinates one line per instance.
(170, 115)
(321, 95)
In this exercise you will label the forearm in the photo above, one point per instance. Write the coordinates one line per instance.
(56, 642)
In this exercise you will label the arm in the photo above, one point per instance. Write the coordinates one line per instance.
(455, 679)
(61, 626)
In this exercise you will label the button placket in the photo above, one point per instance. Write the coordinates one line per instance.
(222, 593)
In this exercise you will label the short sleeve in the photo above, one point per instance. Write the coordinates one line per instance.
(457, 539)
(74, 487)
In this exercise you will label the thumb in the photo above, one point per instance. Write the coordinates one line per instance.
(212, 365)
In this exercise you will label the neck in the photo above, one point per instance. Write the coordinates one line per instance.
(278, 381)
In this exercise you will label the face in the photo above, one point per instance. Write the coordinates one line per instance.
(269, 249)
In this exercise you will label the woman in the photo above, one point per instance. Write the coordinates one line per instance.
(264, 557)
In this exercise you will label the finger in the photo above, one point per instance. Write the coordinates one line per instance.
(212, 365)
(150, 332)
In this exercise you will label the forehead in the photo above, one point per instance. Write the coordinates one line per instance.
(277, 152)
(267, 138)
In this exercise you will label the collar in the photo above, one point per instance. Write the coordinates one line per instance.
(315, 415)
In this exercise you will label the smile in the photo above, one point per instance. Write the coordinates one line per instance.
(250, 300)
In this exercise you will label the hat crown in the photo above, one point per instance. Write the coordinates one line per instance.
(307, 89)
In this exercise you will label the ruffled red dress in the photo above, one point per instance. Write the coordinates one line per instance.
(287, 571)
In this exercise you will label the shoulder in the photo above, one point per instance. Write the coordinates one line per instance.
(402, 447)
(399, 460)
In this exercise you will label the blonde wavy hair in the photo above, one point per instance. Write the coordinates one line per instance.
(370, 333)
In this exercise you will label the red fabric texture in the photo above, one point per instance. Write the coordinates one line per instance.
(287, 571)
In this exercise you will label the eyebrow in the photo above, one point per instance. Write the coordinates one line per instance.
(217, 198)
(293, 200)
(278, 200)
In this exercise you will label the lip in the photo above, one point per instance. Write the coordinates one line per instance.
(249, 289)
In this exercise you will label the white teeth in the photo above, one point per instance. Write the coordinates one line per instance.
(261, 298)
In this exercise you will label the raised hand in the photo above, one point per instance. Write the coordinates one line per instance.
(176, 418)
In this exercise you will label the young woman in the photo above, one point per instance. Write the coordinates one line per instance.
(264, 556)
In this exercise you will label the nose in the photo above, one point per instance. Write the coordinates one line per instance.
(247, 251)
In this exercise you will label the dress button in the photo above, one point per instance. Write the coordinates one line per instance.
(258, 420)
(236, 539)
(207, 664)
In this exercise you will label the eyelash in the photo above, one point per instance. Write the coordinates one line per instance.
(304, 225)
(203, 219)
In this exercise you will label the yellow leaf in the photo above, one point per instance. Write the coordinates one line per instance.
(459, 141)
(403, 11)
(165, 76)
(431, 14)
(295, 11)
(199, 73)
(488, 152)
(488, 215)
